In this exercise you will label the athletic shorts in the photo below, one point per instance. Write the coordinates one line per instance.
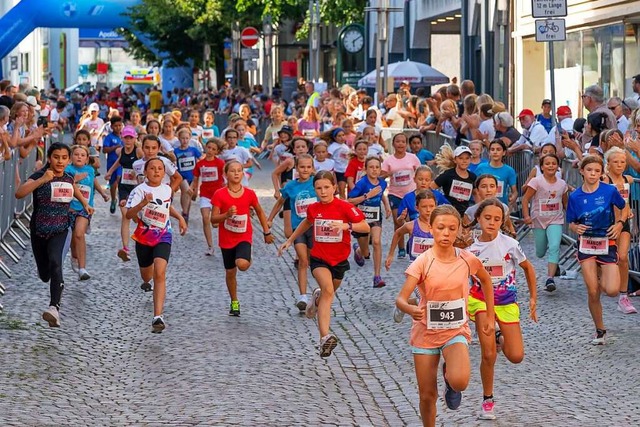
(287, 204)
(114, 176)
(340, 177)
(241, 251)
(394, 201)
(306, 238)
(337, 271)
(73, 215)
(610, 258)
(626, 227)
(357, 235)
(124, 191)
(146, 254)
(509, 313)
(205, 203)
(437, 350)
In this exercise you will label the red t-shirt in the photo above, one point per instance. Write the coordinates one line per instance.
(331, 246)
(210, 173)
(355, 169)
(238, 228)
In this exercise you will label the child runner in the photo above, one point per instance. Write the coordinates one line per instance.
(595, 214)
(401, 169)
(355, 169)
(547, 148)
(548, 196)
(616, 160)
(150, 204)
(339, 152)
(476, 151)
(83, 137)
(282, 148)
(127, 156)
(53, 190)
(368, 195)
(455, 180)
(507, 191)
(231, 207)
(234, 152)
(321, 160)
(209, 174)
(373, 141)
(440, 325)
(186, 158)
(425, 156)
(499, 254)
(349, 133)
(423, 179)
(299, 193)
(209, 130)
(151, 148)
(332, 219)
(110, 144)
(86, 181)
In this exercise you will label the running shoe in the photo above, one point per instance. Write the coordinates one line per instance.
(234, 309)
(550, 285)
(83, 274)
(158, 325)
(209, 251)
(625, 306)
(378, 282)
(451, 397)
(52, 316)
(402, 254)
(599, 338)
(301, 302)
(112, 208)
(123, 254)
(312, 307)
(74, 264)
(327, 344)
(146, 286)
(487, 410)
(398, 315)
(357, 257)
(499, 341)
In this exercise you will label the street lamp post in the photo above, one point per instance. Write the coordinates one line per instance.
(235, 52)
(267, 30)
(382, 49)
(314, 40)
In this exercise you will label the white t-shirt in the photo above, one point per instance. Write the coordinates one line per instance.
(168, 145)
(340, 155)
(487, 126)
(623, 124)
(238, 153)
(94, 125)
(535, 136)
(398, 120)
(376, 150)
(169, 169)
(154, 215)
(326, 165)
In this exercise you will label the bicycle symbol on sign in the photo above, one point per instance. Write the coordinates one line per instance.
(548, 26)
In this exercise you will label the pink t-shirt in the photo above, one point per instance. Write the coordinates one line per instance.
(401, 172)
(546, 204)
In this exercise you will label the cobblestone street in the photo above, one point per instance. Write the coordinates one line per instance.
(104, 367)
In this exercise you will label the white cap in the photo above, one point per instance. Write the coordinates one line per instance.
(462, 149)
(567, 124)
(33, 102)
(94, 107)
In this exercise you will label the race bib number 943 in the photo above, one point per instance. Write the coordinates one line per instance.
(446, 314)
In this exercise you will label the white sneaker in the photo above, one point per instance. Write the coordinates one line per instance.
(312, 306)
(52, 316)
(327, 344)
(599, 338)
(302, 302)
(625, 306)
(398, 315)
(74, 264)
(209, 251)
(83, 274)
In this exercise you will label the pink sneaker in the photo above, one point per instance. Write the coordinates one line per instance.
(487, 410)
(625, 306)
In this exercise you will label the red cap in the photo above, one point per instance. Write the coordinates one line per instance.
(525, 112)
(563, 110)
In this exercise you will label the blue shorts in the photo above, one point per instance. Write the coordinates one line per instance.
(394, 201)
(115, 176)
(436, 351)
(610, 258)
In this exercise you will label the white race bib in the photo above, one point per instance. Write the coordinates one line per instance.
(625, 192)
(446, 314)
(371, 213)
(187, 163)
(549, 207)
(308, 133)
(237, 223)
(594, 245)
(420, 245)
(497, 269)
(61, 192)
(85, 190)
(208, 174)
(155, 215)
(402, 178)
(207, 134)
(500, 189)
(301, 206)
(324, 233)
(129, 177)
(460, 190)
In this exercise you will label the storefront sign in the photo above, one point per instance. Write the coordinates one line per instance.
(548, 8)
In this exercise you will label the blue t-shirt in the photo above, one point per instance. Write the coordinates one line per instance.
(186, 161)
(112, 140)
(408, 203)
(85, 185)
(300, 195)
(364, 186)
(206, 130)
(546, 123)
(474, 167)
(248, 143)
(506, 176)
(424, 156)
(594, 209)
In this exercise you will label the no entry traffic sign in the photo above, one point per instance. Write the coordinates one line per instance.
(249, 37)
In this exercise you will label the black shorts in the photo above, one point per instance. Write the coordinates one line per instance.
(287, 204)
(146, 254)
(394, 201)
(124, 191)
(241, 251)
(626, 227)
(337, 271)
(340, 177)
(306, 238)
(73, 215)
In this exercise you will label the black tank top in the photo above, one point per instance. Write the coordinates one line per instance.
(126, 162)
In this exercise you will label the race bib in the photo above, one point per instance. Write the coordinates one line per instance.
(420, 245)
(302, 205)
(61, 192)
(624, 192)
(461, 190)
(308, 133)
(549, 207)
(207, 134)
(155, 215)
(208, 174)
(402, 178)
(496, 269)
(85, 190)
(344, 155)
(129, 177)
(594, 245)
(371, 213)
(446, 314)
(187, 163)
(500, 189)
(324, 233)
(237, 223)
